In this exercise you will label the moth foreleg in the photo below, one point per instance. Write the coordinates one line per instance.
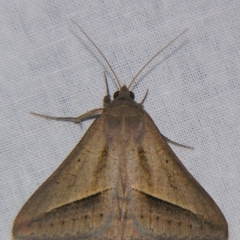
(79, 119)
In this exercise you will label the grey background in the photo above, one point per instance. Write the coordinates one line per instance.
(49, 67)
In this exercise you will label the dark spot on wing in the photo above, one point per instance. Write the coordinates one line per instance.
(101, 163)
(143, 160)
(145, 167)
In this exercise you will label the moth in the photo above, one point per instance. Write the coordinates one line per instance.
(121, 181)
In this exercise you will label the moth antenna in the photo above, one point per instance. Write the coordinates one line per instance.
(155, 56)
(99, 52)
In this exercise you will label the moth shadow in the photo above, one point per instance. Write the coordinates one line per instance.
(151, 69)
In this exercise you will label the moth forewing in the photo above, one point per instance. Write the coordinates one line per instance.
(121, 181)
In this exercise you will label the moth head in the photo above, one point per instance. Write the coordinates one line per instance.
(123, 92)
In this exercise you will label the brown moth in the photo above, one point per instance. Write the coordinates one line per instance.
(121, 181)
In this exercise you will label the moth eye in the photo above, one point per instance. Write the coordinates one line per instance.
(115, 95)
(132, 95)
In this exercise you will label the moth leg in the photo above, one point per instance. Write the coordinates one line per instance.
(177, 144)
(107, 98)
(141, 103)
(79, 119)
